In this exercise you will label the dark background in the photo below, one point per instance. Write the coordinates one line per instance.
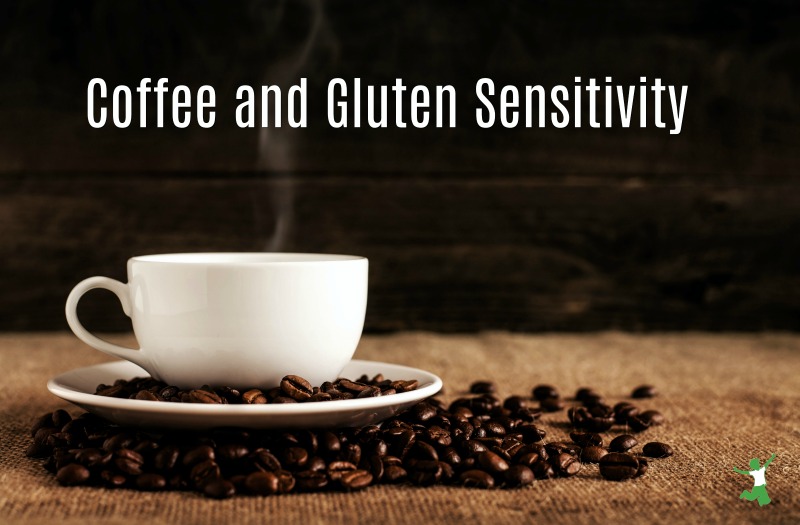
(465, 228)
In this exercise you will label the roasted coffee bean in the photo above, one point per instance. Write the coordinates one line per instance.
(146, 395)
(112, 479)
(254, 397)
(166, 458)
(111, 391)
(122, 440)
(337, 468)
(542, 392)
(543, 470)
(329, 443)
(60, 418)
(527, 459)
(204, 472)
(644, 391)
(642, 467)
(492, 462)
(584, 394)
(219, 489)
(168, 392)
(494, 429)
(285, 481)
(203, 396)
(638, 424)
(310, 480)
(352, 453)
(438, 436)
(295, 458)
(450, 455)
(73, 474)
(424, 451)
(477, 479)
(351, 386)
(597, 424)
(566, 465)
(483, 387)
(376, 467)
(43, 421)
(296, 387)
(426, 473)
(198, 454)
(560, 447)
(593, 454)
(515, 403)
(518, 476)
(617, 466)
(551, 404)
(128, 461)
(400, 440)
(656, 449)
(622, 443)
(355, 480)
(422, 412)
(394, 474)
(264, 460)
(38, 450)
(531, 433)
(93, 457)
(262, 483)
(624, 411)
(151, 482)
(585, 439)
(653, 416)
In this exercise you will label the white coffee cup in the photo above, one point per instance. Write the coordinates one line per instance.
(237, 319)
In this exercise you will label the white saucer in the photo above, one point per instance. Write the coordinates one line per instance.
(78, 386)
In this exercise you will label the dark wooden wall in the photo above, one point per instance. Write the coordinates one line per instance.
(466, 229)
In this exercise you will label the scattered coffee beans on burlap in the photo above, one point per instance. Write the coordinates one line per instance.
(477, 441)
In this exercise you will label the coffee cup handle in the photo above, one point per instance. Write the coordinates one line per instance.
(123, 294)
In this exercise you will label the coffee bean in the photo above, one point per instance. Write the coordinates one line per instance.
(166, 458)
(72, 474)
(151, 482)
(294, 458)
(394, 474)
(515, 403)
(642, 467)
(542, 392)
(622, 443)
(491, 462)
(483, 387)
(337, 468)
(551, 404)
(219, 489)
(203, 396)
(254, 397)
(585, 439)
(543, 470)
(262, 483)
(296, 387)
(112, 479)
(518, 476)
(593, 454)
(656, 449)
(617, 466)
(43, 421)
(198, 454)
(426, 472)
(60, 418)
(310, 480)
(204, 472)
(566, 465)
(637, 423)
(653, 416)
(584, 394)
(531, 433)
(476, 478)
(128, 461)
(146, 395)
(355, 480)
(644, 391)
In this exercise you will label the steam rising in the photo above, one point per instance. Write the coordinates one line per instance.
(276, 145)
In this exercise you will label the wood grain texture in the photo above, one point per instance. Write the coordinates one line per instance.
(447, 252)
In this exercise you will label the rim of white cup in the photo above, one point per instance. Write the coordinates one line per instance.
(246, 258)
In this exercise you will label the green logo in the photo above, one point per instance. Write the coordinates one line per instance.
(759, 492)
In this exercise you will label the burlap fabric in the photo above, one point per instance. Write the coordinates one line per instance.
(727, 398)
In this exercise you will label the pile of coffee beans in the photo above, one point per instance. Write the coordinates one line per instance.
(293, 389)
(475, 441)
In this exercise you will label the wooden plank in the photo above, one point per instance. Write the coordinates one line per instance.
(447, 252)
